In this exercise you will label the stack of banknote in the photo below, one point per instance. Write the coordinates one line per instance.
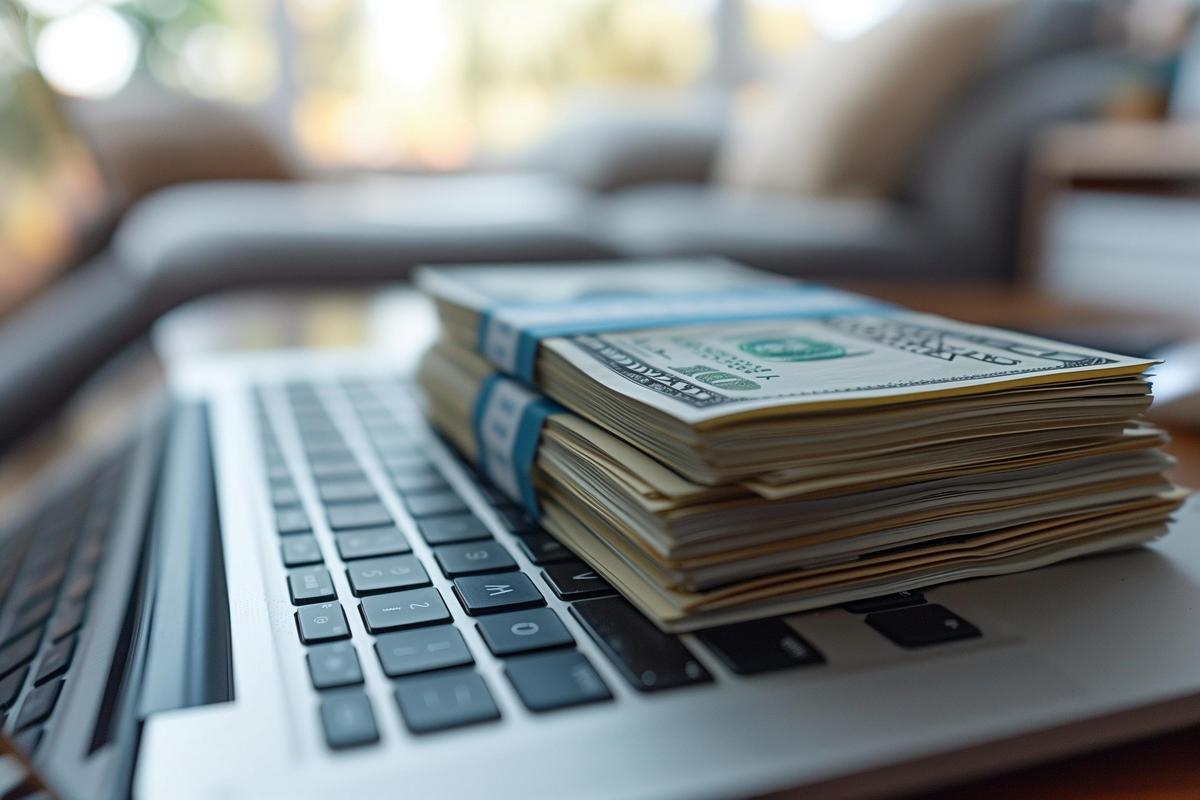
(722, 444)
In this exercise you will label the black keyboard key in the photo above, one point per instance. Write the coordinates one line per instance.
(300, 550)
(885, 602)
(66, 620)
(434, 504)
(284, 496)
(575, 580)
(31, 615)
(453, 529)
(422, 650)
(322, 622)
(358, 515)
(14, 654)
(10, 686)
(292, 520)
(541, 548)
(55, 660)
(408, 609)
(348, 720)
(515, 518)
(506, 591)
(375, 575)
(79, 584)
(749, 648)
(556, 680)
(346, 491)
(333, 665)
(524, 631)
(493, 494)
(440, 702)
(473, 558)
(38, 704)
(920, 626)
(340, 469)
(371, 543)
(310, 585)
(645, 656)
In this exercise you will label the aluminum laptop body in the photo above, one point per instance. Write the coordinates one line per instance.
(192, 675)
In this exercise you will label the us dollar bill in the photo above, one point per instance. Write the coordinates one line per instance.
(765, 344)
(701, 372)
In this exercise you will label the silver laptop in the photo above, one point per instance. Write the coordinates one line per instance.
(282, 584)
(263, 576)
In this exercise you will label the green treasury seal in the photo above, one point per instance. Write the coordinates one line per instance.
(791, 348)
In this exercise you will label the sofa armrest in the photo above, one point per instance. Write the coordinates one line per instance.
(813, 238)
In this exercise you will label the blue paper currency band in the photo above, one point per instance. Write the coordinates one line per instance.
(509, 334)
(507, 421)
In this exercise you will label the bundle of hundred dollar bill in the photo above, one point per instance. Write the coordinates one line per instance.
(723, 444)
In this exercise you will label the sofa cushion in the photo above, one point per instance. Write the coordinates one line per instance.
(843, 117)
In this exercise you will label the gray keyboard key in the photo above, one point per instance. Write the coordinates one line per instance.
(453, 529)
(375, 575)
(556, 680)
(322, 622)
(38, 704)
(334, 665)
(292, 520)
(358, 515)
(395, 610)
(348, 720)
(408, 460)
(353, 491)
(439, 702)
(300, 550)
(55, 661)
(434, 504)
(336, 469)
(524, 631)
(284, 495)
(420, 480)
(16, 653)
(10, 686)
(370, 543)
(310, 585)
(473, 558)
(422, 650)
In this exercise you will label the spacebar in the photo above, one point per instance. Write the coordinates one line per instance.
(645, 656)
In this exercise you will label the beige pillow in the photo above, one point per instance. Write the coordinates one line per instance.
(844, 117)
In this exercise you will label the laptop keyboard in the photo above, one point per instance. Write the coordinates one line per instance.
(436, 685)
(46, 577)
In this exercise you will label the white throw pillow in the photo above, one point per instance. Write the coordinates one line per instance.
(844, 117)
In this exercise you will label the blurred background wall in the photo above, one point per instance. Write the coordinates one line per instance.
(419, 83)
